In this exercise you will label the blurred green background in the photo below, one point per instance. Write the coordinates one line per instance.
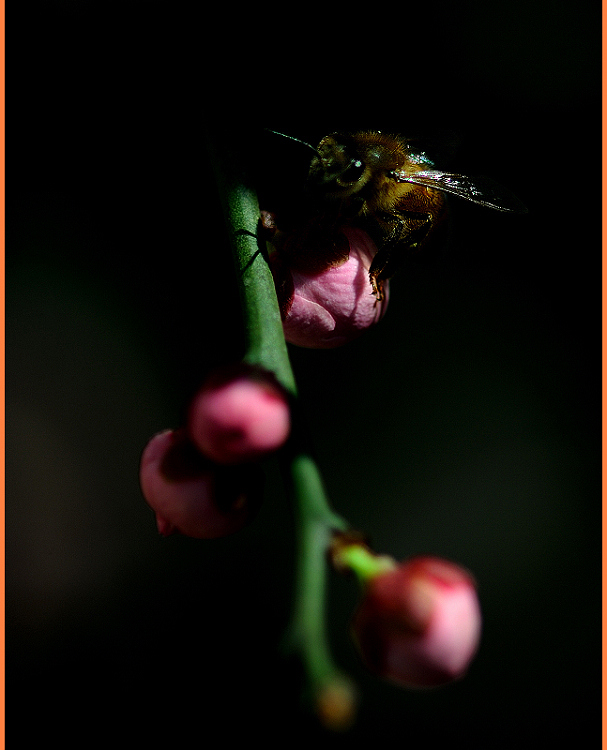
(465, 425)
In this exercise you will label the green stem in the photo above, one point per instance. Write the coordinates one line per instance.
(332, 692)
(359, 559)
(266, 347)
(317, 524)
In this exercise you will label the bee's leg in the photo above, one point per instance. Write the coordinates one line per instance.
(378, 287)
(391, 254)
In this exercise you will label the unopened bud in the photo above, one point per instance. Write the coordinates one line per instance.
(240, 415)
(336, 703)
(419, 624)
(325, 306)
(193, 496)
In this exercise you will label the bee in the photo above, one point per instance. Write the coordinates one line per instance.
(379, 183)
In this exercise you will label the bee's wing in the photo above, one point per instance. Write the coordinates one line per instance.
(476, 189)
(437, 147)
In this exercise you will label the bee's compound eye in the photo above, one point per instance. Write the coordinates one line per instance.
(353, 171)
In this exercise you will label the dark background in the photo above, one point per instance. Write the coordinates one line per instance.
(466, 425)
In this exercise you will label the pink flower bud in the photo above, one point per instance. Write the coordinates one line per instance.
(240, 415)
(419, 624)
(191, 495)
(328, 306)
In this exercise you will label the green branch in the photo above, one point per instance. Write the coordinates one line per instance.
(316, 521)
(266, 345)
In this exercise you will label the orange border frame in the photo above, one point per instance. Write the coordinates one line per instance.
(3, 361)
(604, 373)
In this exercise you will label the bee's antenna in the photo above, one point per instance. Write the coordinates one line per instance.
(290, 137)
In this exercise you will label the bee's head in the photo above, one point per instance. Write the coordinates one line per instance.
(346, 164)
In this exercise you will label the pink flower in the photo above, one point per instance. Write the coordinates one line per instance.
(419, 624)
(241, 414)
(324, 307)
(192, 495)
